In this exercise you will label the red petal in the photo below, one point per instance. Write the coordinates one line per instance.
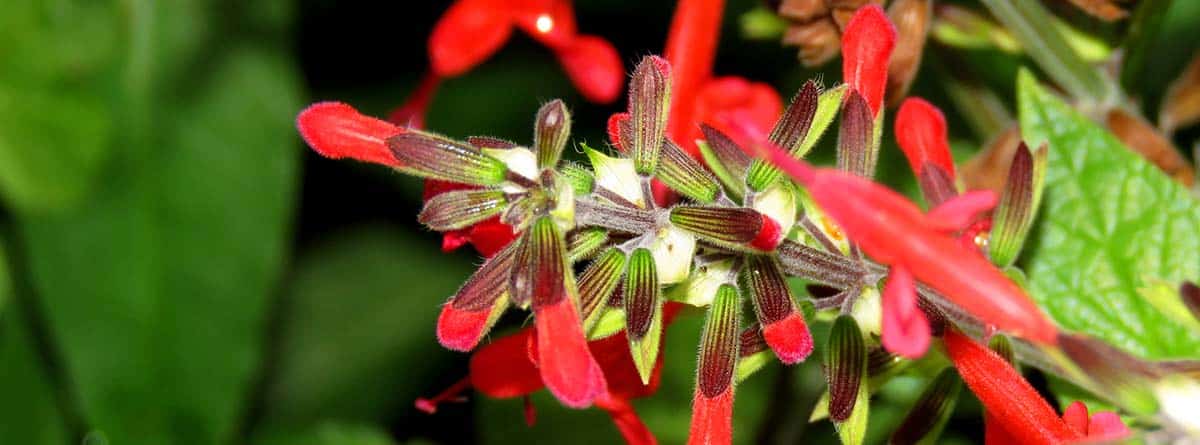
(502, 368)
(491, 235)
(467, 34)
(594, 67)
(959, 212)
(789, 338)
(906, 331)
(712, 419)
(626, 419)
(1107, 426)
(691, 48)
(452, 240)
(994, 434)
(412, 113)
(921, 133)
(1014, 404)
(769, 236)
(565, 363)
(866, 48)
(1076, 417)
(460, 330)
(434, 187)
(551, 22)
(337, 130)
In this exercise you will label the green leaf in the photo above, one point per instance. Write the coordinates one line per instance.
(328, 433)
(156, 287)
(371, 295)
(30, 413)
(1111, 223)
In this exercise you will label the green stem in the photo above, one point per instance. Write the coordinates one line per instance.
(1143, 33)
(1033, 26)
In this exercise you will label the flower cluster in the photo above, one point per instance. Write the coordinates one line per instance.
(659, 223)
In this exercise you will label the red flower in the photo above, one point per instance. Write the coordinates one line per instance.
(893, 231)
(505, 368)
(866, 48)
(1100, 427)
(471, 31)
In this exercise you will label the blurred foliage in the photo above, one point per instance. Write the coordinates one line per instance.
(175, 280)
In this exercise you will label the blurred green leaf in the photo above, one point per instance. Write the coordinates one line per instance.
(1110, 223)
(155, 288)
(328, 433)
(359, 317)
(29, 411)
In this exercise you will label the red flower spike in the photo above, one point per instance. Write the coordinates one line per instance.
(691, 48)
(866, 48)
(959, 212)
(594, 66)
(467, 34)
(906, 331)
(336, 130)
(1012, 402)
(921, 133)
(412, 113)
(551, 22)
(893, 231)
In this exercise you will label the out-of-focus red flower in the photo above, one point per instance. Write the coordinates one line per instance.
(471, 31)
(866, 48)
(1099, 427)
(505, 368)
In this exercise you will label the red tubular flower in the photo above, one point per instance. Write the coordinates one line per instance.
(921, 133)
(892, 230)
(691, 48)
(567, 366)
(906, 331)
(467, 34)
(336, 130)
(594, 67)
(1011, 401)
(866, 48)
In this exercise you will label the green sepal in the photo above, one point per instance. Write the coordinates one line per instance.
(761, 174)
(1018, 205)
(928, 416)
(683, 174)
(461, 208)
(719, 343)
(580, 177)
(582, 243)
(649, 100)
(597, 283)
(846, 374)
(643, 302)
(551, 129)
(432, 156)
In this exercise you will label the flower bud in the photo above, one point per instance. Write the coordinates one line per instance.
(846, 373)
(1018, 205)
(857, 153)
(473, 310)
(783, 326)
(712, 405)
(461, 208)
(649, 98)
(643, 311)
(762, 174)
(582, 243)
(435, 157)
(597, 283)
(552, 128)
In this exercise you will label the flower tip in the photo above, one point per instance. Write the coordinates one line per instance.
(336, 130)
(712, 419)
(867, 45)
(911, 342)
(460, 330)
(769, 235)
(426, 406)
(789, 338)
(564, 360)
(615, 123)
(921, 134)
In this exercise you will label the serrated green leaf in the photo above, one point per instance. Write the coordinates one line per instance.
(1110, 222)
